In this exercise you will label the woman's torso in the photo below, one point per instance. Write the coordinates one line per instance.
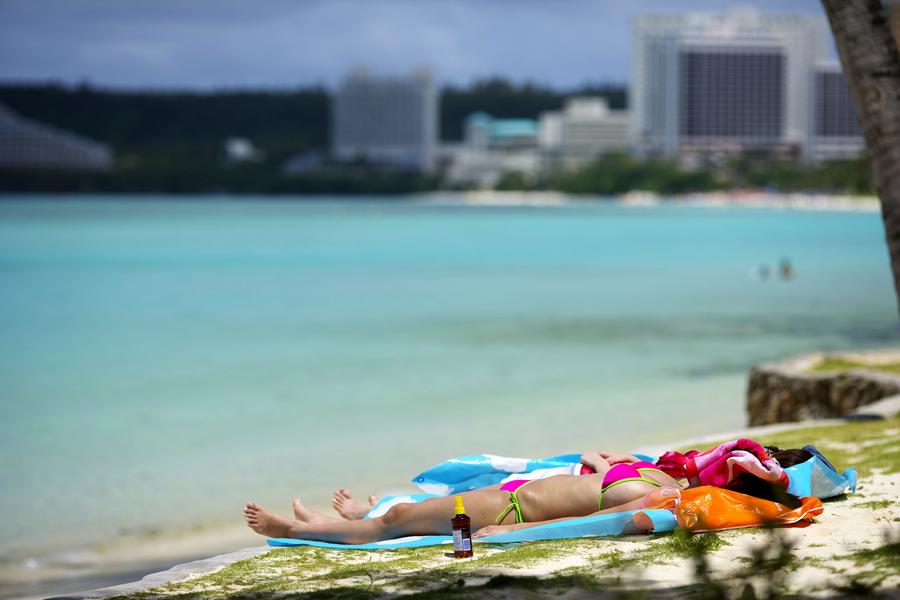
(571, 495)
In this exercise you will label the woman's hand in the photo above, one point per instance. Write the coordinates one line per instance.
(595, 460)
(495, 529)
(615, 458)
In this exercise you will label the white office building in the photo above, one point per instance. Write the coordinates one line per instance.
(585, 129)
(730, 81)
(386, 120)
(28, 144)
(834, 130)
(492, 147)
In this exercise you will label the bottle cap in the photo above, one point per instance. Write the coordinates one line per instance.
(460, 509)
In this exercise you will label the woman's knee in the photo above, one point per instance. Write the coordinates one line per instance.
(397, 514)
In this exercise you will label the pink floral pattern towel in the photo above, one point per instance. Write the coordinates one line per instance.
(721, 465)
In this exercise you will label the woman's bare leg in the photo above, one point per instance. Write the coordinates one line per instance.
(352, 509)
(431, 517)
(302, 513)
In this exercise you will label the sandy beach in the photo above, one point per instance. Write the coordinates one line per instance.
(831, 553)
(720, 199)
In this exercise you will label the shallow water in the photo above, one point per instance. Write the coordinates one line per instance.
(164, 361)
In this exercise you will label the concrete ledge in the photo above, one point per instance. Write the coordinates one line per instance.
(176, 573)
(788, 391)
(886, 408)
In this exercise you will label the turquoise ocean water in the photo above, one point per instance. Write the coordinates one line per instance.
(164, 361)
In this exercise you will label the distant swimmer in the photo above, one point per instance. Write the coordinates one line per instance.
(763, 272)
(786, 269)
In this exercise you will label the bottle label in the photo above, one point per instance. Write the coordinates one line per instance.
(460, 543)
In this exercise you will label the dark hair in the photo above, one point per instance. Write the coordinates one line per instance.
(791, 457)
(745, 483)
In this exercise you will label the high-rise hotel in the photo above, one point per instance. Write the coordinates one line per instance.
(735, 81)
(386, 120)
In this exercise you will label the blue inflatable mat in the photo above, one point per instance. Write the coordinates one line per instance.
(817, 478)
(594, 526)
(475, 471)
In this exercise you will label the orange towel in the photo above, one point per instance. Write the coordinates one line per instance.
(707, 508)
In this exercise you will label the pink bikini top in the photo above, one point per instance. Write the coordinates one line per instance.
(623, 472)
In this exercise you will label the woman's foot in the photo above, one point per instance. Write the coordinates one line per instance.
(349, 507)
(308, 515)
(267, 523)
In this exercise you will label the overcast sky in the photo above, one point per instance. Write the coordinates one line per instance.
(286, 43)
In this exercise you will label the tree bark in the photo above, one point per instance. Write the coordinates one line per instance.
(871, 66)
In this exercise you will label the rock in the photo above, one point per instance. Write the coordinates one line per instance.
(788, 391)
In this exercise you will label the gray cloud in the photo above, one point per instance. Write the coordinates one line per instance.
(231, 43)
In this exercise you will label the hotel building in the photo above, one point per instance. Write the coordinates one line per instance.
(732, 81)
(585, 129)
(834, 131)
(386, 120)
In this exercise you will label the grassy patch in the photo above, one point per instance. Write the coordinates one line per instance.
(832, 364)
(878, 564)
(682, 545)
(306, 572)
(318, 572)
(876, 504)
(866, 445)
(883, 557)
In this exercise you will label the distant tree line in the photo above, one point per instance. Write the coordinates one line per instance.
(171, 142)
(277, 121)
(618, 173)
(155, 128)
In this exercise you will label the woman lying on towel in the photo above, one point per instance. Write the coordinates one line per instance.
(619, 484)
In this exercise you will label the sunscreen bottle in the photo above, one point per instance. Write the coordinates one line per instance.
(462, 531)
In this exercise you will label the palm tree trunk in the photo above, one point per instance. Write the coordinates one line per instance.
(872, 68)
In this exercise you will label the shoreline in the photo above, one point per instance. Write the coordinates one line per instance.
(124, 559)
(737, 198)
(196, 564)
(801, 201)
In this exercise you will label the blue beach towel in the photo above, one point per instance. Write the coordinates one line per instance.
(594, 526)
(475, 471)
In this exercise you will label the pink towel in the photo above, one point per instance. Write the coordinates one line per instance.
(721, 465)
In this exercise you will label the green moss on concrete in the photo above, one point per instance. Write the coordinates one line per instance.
(831, 364)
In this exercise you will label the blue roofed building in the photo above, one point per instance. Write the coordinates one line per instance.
(492, 147)
(484, 131)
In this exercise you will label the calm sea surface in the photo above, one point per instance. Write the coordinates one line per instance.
(163, 361)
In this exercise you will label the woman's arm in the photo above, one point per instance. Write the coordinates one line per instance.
(595, 460)
(601, 460)
(615, 458)
(495, 529)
